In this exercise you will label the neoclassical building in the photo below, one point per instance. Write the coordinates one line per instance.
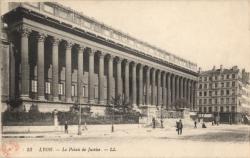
(57, 56)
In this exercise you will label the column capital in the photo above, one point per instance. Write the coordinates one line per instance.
(24, 31)
(55, 41)
(41, 37)
(101, 55)
(111, 57)
(80, 48)
(69, 44)
(119, 60)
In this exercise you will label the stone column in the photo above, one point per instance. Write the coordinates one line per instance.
(55, 69)
(181, 87)
(148, 86)
(153, 87)
(119, 78)
(159, 88)
(164, 90)
(101, 78)
(91, 75)
(185, 88)
(191, 94)
(134, 90)
(141, 85)
(25, 68)
(127, 81)
(80, 74)
(194, 95)
(169, 90)
(173, 90)
(68, 76)
(110, 79)
(177, 88)
(40, 66)
(188, 91)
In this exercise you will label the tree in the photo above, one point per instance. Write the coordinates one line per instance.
(121, 106)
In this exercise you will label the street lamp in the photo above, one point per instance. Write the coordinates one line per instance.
(112, 122)
(79, 118)
(161, 117)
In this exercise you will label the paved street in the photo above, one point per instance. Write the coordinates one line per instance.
(214, 141)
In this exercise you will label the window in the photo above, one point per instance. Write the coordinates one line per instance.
(233, 108)
(227, 92)
(205, 78)
(200, 79)
(205, 86)
(200, 86)
(215, 101)
(222, 84)
(227, 76)
(210, 85)
(233, 75)
(233, 84)
(222, 92)
(216, 85)
(233, 100)
(222, 100)
(61, 89)
(200, 101)
(227, 100)
(83, 91)
(210, 93)
(47, 87)
(210, 78)
(34, 86)
(210, 109)
(72, 90)
(222, 77)
(227, 108)
(233, 91)
(221, 109)
(205, 101)
(216, 78)
(215, 93)
(205, 109)
(228, 84)
(205, 93)
(200, 94)
(215, 108)
(210, 101)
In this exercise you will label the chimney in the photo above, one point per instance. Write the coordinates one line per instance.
(214, 68)
(221, 68)
(199, 71)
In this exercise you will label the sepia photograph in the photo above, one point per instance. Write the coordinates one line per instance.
(126, 78)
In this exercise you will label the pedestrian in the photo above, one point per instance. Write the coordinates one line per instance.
(66, 127)
(195, 124)
(180, 126)
(203, 125)
(177, 127)
(153, 122)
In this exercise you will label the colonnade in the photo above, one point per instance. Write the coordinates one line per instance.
(139, 83)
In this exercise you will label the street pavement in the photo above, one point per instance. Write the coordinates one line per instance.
(137, 141)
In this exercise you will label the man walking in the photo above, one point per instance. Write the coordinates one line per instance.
(195, 124)
(180, 126)
(66, 127)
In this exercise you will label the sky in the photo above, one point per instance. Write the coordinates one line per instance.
(205, 32)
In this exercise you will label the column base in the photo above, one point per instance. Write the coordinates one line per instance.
(101, 102)
(24, 97)
(91, 101)
(41, 98)
(69, 100)
(56, 99)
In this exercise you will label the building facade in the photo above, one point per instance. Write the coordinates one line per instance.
(58, 56)
(224, 93)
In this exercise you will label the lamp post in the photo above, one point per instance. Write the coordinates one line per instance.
(112, 122)
(161, 117)
(80, 118)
